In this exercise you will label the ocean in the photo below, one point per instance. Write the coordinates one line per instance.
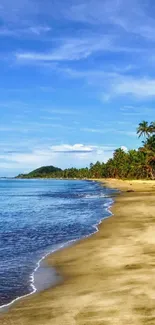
(38, 217)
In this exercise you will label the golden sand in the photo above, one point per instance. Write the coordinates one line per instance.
(109, 278)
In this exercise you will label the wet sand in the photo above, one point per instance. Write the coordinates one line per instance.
(109, 278)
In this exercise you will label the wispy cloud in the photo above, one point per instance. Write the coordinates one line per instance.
(76, 49)
(24, 31)
(126, 16)
(139, 87)
(38, 30)
(137, 21)
(115, 84)
(109, 130)
(51, 118)
(21, 127)
(93, 12)
(71, 49)
(137, 111)
(61, 111)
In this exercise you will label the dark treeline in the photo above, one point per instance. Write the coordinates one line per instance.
(134, 164)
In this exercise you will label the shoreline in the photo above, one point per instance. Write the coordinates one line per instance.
(80, 284)
(95, 228)
(5, 307)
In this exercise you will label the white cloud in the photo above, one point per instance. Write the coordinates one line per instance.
(138, 87)
(76, 148)
(64, 156)
(124, 148)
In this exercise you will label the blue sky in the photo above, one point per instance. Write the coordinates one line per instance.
(76, 79)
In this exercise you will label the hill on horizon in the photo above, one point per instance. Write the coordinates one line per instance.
(45, 171)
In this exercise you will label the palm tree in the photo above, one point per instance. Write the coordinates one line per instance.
(143, 129)
(149, 145)
(152, 127)
(149, 149)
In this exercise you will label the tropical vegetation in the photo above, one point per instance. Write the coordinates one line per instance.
(133, 164)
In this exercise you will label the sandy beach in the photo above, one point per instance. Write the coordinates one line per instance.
(108, 278)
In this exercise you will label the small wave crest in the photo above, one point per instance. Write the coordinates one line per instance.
(94, 196)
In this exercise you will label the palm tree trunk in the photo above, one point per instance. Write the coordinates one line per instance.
(151, 173)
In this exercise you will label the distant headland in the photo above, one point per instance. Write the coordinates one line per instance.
(131, 164)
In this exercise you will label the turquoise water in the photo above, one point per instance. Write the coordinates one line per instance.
(40, 216)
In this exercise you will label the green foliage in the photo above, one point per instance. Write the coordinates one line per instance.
(143, 129)
(43, 172)
(134, 164)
